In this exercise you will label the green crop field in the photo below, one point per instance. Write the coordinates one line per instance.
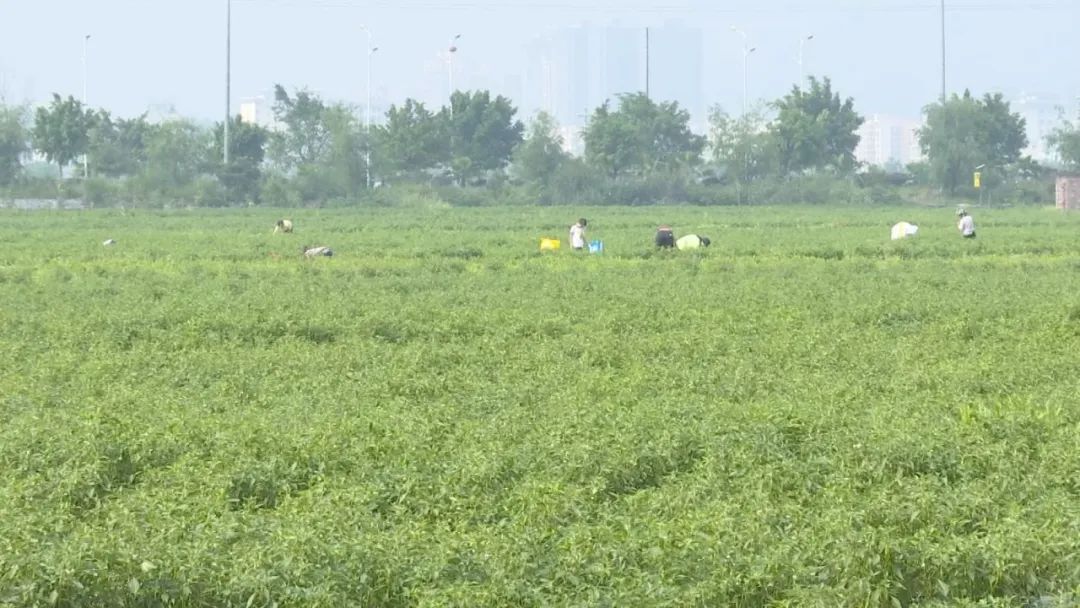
(805, 414)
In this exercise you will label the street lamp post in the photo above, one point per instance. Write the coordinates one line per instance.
(746, 50)
(367, 121)
(978, 181)
(451, 49)
(228, 77)
(802, 45)
(86, 156)
(943, 93)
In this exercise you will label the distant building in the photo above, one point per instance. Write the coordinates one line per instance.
(249, 113)
(574, 70)
(573, 140)
(159, 113)
(676, 69)
(624, 61)
(558, 79)
(888, 141)
(1041, 116)
(257, 111)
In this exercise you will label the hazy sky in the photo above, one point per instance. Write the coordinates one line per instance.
(884, 53)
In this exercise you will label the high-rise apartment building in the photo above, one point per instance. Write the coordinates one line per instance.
(888, 141)
(574, 70)
(676, 68)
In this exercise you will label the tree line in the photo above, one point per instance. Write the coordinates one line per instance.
(475, 150)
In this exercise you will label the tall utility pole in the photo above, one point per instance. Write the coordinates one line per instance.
(802, 45)
(647, 64)
(943, 93)
(86, 156)
(450, 66)
(746, 50)
(367, 121)
(228, 76)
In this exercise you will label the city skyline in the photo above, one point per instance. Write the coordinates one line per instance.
(883, 53)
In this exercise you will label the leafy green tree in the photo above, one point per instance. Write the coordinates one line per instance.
(413, 140)
(743, 146)
(641, 138)
(344, 160)
(611, 144)
(13, 142)
(175, 156)
(1065, 140)
(815, 129)
(118, 147)
(305, 137)
(247, 150)
(321, 145)
(61, 131)
(483, 133)
(966, 132)
(541, 154)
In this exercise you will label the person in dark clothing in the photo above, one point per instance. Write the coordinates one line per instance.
(665, 238)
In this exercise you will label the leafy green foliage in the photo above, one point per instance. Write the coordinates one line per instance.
(539, 157)
(743, 147)
(176, 156)
(118, 147)
(641, 138)
(13, 142)
(412, 140)
(247, 150)
(61, 130)
(816, 130)
(305, 136)
(803, 414)
(1065, 140)
(966, 132)
(483, 133)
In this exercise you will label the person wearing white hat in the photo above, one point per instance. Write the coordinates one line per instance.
(966, 225)
(312, 252)
(903, 230)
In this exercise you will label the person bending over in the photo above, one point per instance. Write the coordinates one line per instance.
(665, 238)
(692, 241)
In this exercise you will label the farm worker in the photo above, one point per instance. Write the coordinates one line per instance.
(692, 241)
(665, 237)
(902, 230)
(311, 252)
(283, 226)
(966, 226)
(577, 235)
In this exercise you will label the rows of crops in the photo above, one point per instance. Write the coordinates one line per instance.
(805, 414)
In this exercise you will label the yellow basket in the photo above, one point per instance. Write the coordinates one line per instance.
(549, 244)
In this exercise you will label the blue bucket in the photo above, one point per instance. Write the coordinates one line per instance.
(596, 246)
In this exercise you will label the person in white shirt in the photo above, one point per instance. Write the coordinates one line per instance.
(577, 235)
(966, 226)
(692, 241)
